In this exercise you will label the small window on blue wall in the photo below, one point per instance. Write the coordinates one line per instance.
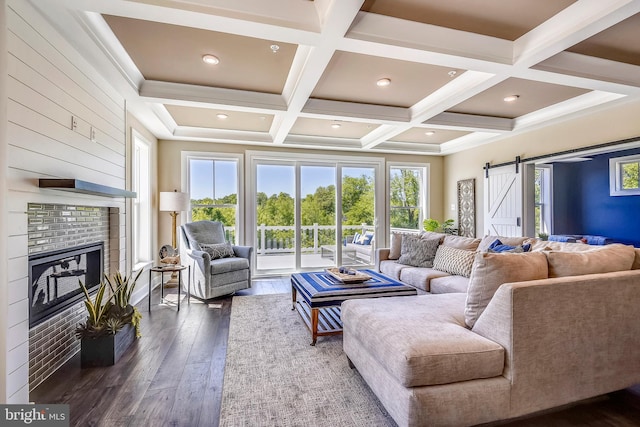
(624, 176)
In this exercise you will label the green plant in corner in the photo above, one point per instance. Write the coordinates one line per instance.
(107, 317)
(434, 225)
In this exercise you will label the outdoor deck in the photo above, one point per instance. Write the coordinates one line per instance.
(283, 261)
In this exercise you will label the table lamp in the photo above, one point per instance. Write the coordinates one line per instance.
(173, 202)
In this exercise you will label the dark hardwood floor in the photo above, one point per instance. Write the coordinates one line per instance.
(173, 375)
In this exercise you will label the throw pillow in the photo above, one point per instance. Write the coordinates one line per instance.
(454, 261)
(396, 244)
(511, 241)
(356, 236)
(460, 242)
(490, 270)
(219, 250)
(417, 252)
(498, 246)
(365, 239)
(603, 259)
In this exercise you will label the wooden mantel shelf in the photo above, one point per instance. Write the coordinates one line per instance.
(84, 187)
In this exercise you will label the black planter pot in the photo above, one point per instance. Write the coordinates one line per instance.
(106, 350)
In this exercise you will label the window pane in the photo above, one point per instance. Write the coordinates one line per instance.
(213, 184)
(630, 177)
(405, 201)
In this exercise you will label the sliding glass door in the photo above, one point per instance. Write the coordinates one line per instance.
(307, 213)
(317, 216)
(358, 215)
(275, 238)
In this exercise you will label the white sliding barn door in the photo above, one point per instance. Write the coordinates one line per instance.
(503, 201)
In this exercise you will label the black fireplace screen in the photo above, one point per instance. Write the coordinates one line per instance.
(54, 279)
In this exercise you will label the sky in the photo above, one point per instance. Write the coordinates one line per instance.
(272, 179)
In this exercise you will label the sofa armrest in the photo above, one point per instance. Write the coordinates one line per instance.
(382, 254)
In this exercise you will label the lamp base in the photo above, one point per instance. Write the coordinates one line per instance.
(173, 281)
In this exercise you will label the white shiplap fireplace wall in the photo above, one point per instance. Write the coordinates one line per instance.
(48, 85)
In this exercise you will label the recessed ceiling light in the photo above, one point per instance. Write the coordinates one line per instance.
(383, 82)
(336, 125)
(210, 59)
(511, 98)
(222, 116)
(274, 48)
(429, 133)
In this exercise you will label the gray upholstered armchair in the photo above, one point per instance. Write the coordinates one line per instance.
(217, 269)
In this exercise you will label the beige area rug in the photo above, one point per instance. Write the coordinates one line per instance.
(273, 377)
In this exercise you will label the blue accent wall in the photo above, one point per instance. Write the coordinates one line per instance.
(582, 204)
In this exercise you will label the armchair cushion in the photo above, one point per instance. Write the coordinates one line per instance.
(218, 250)
(225, 265)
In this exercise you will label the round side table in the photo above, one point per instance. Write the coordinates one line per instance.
(170, 269)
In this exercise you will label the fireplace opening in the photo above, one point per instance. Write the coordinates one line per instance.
(54, 279)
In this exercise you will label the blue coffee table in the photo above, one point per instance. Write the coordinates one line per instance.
(321, 296)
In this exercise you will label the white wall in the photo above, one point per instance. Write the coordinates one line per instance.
(48, 83)
(604, 125)
(3, 206)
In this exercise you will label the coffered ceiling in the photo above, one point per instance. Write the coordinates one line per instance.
(300, 73)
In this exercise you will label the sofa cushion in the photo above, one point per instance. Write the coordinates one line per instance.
(422, 340)
(459, 242)
(636, 262)
(490, 270)
(218, 250)
(601, 259)
(391, 268)
(542, 245)
(420, 277)
(448, 284)
(226, 265)
(454, 261)
(418, 252)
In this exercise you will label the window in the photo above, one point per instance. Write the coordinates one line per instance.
(141, 210)
(624, 176)
(407, 198)
(213, 186)
(542, 189)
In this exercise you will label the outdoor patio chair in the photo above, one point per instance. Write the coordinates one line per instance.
(218, 268)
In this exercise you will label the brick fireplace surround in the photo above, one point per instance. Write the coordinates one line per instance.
(59, 226)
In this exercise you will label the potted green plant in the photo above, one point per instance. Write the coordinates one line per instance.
(112, 324)
(434, 225)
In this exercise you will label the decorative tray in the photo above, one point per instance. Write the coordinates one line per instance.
(347, 278)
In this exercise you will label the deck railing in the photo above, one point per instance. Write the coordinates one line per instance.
(273, 239)
(279, 239)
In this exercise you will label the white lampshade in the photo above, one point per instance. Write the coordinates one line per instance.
(174, 201)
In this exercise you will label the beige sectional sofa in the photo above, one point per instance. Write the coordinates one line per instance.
(534, 330)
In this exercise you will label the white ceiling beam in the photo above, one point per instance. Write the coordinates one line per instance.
(233, 21)
(380, 35)
(471, 122)
(338, 19)
(570, 26)
(589, 72)
(158, 91)
(468, 84)
(221, 135)
(570, 106)
(328, 109)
